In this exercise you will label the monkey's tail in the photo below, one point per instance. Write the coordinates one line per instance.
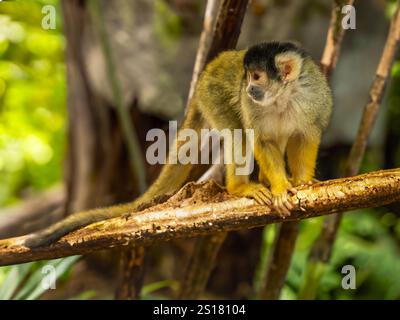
(73, 222)
(171, 178)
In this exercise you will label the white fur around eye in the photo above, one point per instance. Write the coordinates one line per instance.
(289, 65)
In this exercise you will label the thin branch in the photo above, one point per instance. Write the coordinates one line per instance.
(334, 37)
(131, 139)
(227, 27)
(131, 274)
(260, 272)
(378, 86)
(204, 42)
(129, 257)
(220, 33)
(322, 248)
(279, 263)
(203, 209)
(283, 249)
(200, 265)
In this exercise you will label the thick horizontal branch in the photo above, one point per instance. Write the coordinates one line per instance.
(205, 208)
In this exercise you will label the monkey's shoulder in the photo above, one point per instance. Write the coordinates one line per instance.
(227, 66)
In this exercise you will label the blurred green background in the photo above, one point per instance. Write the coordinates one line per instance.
(32, 115)
(32, 101)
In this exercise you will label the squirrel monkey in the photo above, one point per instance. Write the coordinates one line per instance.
(274, 88)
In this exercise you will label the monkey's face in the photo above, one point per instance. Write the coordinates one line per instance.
(261, 89)
(257, 81)
(271, 70)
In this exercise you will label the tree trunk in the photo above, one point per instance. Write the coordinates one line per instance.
(98, 171)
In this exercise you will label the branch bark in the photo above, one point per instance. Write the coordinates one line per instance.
(227, 26)
(205, 208)
(285, 241)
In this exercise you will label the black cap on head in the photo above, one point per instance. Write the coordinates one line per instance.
(262, 56)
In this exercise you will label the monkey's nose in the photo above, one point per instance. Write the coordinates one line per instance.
(256, 93)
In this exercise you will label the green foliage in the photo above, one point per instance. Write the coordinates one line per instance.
(260, 273)
(32, 99)
(167, 25)
(390, 7)
(32, 122)
(25, 281)
(149, 289)
(85, 295)
(367, 239)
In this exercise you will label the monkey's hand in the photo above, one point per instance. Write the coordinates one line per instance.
(299, 183)
(281, 199)
(256, 191)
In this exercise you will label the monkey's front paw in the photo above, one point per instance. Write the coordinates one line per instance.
(282, 203)
(261, 194)
(256, 191)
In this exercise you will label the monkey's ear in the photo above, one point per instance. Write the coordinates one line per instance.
(289, 65)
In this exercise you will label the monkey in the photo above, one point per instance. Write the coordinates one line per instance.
(274, 88)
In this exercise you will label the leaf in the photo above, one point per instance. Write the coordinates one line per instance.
(33, 287)
(61, 267)
(13, 279)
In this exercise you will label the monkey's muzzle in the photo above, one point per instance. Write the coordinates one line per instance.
(255, 93)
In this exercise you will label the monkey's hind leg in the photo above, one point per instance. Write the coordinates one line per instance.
(240, 185)
(302, 157)
(272, 170)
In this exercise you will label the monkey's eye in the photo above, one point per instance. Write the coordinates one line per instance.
(256, 76)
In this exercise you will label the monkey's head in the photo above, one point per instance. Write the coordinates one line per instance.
(270, 68)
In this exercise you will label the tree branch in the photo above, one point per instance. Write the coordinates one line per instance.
(204, 43)
(334, 37)
(136, 159)
(202, 209)
(279, 260)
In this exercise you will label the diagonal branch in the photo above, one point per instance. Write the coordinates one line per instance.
(221, 32)
(321, 250)
(334, 38)
(285, 241)
(205, 208)
(131, 139)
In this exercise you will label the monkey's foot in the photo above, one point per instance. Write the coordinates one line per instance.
(282, 203)
(256, 191)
